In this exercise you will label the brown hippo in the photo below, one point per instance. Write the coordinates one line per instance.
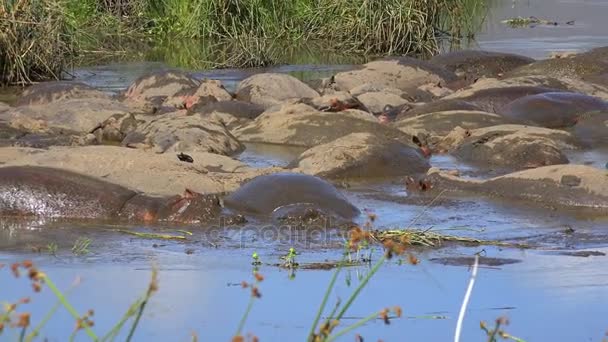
(403, 73)
(494, 99)
(236, 108)
(584, 66)
(362, 155)
(267, 194)
(433, 107)
(55, 193)
(47, 92)
(591, 129)
(269, 89)
(475, 63)
(552, 110)
(569, 187)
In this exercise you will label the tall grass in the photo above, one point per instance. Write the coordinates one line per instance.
(38, 38)
(35, 38)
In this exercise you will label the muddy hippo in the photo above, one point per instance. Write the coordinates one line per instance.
(404, 73)
(269, 89)
(433, 107)
(475, 63)
(264, 195)
(56, 193)
(583, 65)
(362, 155)
(494, 99)
(236, 108)
(591, 129)
(570, 187)
(552, 110)
(47, 92)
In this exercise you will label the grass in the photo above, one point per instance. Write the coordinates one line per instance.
(36, 40)
(41, 38)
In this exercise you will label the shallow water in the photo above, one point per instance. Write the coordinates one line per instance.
(589, 29)
(547, 296)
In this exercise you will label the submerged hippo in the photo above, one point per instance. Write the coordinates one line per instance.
(574, 187)
(476, 63)
(264, 195)
(553, 109)
(56, 193)
(591, 129)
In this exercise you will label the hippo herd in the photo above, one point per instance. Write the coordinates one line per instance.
(164, 149)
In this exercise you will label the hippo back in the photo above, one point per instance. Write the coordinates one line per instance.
(50, 192)
(265, 194)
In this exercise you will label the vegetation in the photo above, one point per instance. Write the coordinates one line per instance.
(41, 37)
(10, 317)
(324, 328)
(36, 41)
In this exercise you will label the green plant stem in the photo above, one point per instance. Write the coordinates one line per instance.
(352, 327)
(324, 301)
(68, 306)
(138, 317)
(492, 337)
(245, 315)
(130, 312)
(364, 282)
(73, 335)
(45, 320)
(22, 335)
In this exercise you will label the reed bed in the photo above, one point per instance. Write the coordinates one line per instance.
(40, 38)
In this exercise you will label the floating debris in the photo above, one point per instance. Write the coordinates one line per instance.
(428, 238)
(533, 21)
(144, 235)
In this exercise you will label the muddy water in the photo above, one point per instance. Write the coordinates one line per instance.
(547, 295)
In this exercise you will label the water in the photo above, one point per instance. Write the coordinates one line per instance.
(587, 32)
(547, 296)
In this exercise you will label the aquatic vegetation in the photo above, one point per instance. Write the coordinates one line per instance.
(146, 235)
(532, 21)
(430, 238)
(12, 317)
(325, 330)
(289, 260)
(496, 331)
(255, 294)
(81, 246)
(255, 259)
(52, 248)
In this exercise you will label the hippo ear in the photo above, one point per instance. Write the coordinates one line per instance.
(188, 194)
(416, 141)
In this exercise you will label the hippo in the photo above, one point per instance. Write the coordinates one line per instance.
(591, 129)
(586, 66)
(579, 188)
(433, 107)
(55, 193)
(47, 92)
(236, 108)
(553, 109)
(269, 89)
(267, 194)
(494, 99)
(475, 63)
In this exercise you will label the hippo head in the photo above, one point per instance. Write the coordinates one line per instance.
(190, 207)
(424, 146)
